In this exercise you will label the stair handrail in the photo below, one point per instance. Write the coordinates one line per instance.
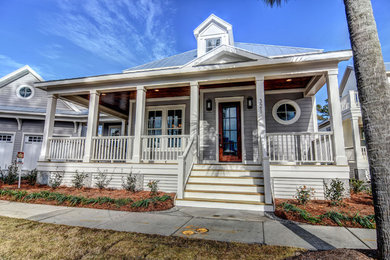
(185, 164)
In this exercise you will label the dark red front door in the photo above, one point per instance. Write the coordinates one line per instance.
(230, 132)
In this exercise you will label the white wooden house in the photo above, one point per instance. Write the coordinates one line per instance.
(227, 125)
(355, 143)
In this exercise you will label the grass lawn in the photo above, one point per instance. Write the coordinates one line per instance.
(24, 239)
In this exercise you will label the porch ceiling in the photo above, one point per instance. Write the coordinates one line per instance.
(119, 101)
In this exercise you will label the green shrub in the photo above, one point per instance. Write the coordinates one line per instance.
(357, 185)
(12, 174)
(304, 194)
(368, 190)
(153, 185)
(129, 183)
(56, 179)
(102, 180)
(78, 179)
(335, 191)
(31, 177)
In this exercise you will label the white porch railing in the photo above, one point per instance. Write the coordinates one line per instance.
(163, 147)
(66, 148)
(112, 148)
(350, 153)
(364, 152)
(300, 147)
(186, 162)
(351, 100)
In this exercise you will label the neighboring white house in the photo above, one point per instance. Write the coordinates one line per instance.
(355, 143)
(226, 125)
(22, 115)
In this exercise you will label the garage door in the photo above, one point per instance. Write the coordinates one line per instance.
(6, 149)
(32, 149)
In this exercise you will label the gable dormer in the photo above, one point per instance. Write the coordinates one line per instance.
(212, 33)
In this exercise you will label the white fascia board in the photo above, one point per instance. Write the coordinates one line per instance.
(18, 74)
(344, 80)
(224, 49)
(208, 20)
(336, 56)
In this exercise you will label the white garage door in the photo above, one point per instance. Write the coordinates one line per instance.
(32, 149)
(6, 149)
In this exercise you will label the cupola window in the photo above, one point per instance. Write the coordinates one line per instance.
(212, 43)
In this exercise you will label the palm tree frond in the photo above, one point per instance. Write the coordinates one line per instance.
(272, 3)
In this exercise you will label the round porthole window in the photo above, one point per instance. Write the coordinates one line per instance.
(286, 112)
(25, 92)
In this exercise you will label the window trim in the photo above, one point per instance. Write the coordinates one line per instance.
(111, 127)
(22, 86)
(164, 110)
(214, 38)
(286, 102)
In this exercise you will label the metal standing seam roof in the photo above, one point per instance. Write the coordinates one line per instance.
(260, 49)
(41, 110)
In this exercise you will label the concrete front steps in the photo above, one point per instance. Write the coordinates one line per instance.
(227, 186)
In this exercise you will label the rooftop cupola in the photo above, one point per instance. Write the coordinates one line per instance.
(212, 33)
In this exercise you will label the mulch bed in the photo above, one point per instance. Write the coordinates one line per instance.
(337, 254)
(361, 202)
(95, 193)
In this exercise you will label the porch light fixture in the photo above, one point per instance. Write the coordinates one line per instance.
(288, 80)
(209, 105)
(157, 90)
(249, 102)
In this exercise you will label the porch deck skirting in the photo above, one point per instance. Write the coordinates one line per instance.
(285, 179)
(165, 173)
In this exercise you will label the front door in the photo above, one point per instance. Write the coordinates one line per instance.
(230, 132)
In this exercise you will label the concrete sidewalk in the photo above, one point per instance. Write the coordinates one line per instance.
(223, 225)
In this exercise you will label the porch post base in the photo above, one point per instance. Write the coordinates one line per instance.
(341, 160)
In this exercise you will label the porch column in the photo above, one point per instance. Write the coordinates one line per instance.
(261, 133)
(92, 124)
(49, 126)
(335, 118)
(356, 140)
(194, 117)
(139, 123)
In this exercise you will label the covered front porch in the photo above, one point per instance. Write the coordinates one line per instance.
(170, 128)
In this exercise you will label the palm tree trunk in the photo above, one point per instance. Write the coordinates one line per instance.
(374, 94)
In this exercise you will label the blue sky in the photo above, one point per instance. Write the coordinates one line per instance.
(75, 38)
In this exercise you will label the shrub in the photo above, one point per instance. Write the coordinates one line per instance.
(78, 179)
(12, 175)
(335, 191)
(102, 180)
(357, 185)
(304, 194)
(368, 190)
(56, 179)
(31, 177)
(153, 185)
(129, 183)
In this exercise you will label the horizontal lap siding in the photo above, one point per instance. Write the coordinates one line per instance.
(166, 174)
(8, 95)
(305, 122)
(286, 188)
(210, 133)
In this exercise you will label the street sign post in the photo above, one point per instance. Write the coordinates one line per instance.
(19, 161)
